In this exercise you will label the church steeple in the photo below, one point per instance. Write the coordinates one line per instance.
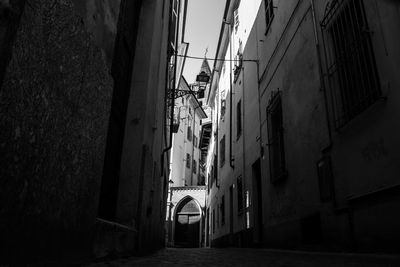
(205, 67)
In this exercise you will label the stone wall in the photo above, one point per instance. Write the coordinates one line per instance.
(54, 106)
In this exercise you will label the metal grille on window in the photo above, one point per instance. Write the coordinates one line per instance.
(269, 13)
(351, 67)
(173, 26)
(236, 15)
(275, 138)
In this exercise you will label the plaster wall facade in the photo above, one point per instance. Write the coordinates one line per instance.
(237, 164)
(82, 95)
(291, 61)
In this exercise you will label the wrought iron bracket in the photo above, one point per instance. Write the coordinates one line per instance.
(179, 93)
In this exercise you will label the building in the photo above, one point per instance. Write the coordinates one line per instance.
(305, 141)
(230, 158)
(185, 210)
(85, 140)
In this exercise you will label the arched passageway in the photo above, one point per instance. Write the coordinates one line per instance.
(187, 223)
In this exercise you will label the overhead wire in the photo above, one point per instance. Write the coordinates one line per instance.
(216, 59)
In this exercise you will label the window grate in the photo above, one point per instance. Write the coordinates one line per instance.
(351, 67)
(269, 14)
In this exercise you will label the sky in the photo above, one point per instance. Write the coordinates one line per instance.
(203, 25)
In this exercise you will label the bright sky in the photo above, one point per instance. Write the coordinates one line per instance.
(203, 25)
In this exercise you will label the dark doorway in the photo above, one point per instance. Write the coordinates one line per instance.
(231, 210)
(187, 224)
(311, 229)
(257, 202)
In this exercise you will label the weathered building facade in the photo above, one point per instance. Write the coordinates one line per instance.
(185, 209)
(83, 98)
(311, 160)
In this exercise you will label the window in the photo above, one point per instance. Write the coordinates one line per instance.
(247, 209)
(215, 169)
(212, 175)
(325, 180)
(223, 210)
(209, 181)
(194, 166)
(189, 134)
(236, 15)
(202, 180)
(223, 108)
(239, 119)
(240, 194)
(352, 72)
(238, 66)
(269, 14)
(222, 151)
(188, 159)
(173, 26)
(275, 138)
(218, 215)
(213, 221)
(195, 140)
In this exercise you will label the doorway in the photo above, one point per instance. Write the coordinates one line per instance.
(257, 202)
(187, 224)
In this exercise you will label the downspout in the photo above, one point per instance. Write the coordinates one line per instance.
(257, 61)
(174, 81)
(216, 168)
(321, 73)
(231, 159)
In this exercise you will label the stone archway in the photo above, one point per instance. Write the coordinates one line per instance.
(187, 223)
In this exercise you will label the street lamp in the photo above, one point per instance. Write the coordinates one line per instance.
(202, 79)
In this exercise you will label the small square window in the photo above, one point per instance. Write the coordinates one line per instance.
(188, 159)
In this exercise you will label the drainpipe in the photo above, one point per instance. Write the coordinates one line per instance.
(231, 159)
(174, 82)
(321, 73)
(217, 140)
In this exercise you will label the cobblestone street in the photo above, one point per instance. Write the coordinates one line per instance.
(252, 257)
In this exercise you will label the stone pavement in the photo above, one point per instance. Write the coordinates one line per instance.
(253, 257)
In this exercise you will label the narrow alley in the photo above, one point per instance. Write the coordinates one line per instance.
(199, 133)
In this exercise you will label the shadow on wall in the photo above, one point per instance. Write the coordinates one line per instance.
(54, 106)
